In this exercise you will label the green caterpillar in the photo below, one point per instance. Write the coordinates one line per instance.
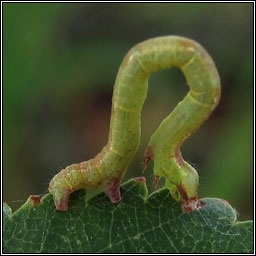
(108, 167)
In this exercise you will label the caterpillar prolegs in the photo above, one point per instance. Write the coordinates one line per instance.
(130, 91)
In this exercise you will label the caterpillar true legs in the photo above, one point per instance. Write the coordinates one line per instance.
(130, 91)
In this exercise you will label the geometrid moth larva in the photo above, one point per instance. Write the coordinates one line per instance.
(108, 167)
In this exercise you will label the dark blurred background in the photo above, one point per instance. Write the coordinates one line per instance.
(60, 62)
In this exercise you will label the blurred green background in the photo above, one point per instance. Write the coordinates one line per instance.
(60, 61)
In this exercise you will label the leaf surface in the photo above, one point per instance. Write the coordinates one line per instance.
(138, 224)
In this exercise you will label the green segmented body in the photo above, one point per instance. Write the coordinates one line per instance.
(130, 91)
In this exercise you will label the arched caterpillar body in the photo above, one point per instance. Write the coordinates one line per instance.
(130, 91)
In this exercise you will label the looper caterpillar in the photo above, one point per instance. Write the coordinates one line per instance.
(108, 167)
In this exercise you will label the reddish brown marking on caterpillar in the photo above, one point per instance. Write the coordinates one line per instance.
(113, 190)
(63, 206)
(178, 157)
(187, 44)
(201, 203)
(127, 58)
(83, 166)
(156, 180)
(149, 156)
(193, 204)
(35, 199)
(183, 193)
(189, 204)
(97, 159)
(140, 179)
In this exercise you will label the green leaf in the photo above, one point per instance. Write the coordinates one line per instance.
(137, 224)
(7, 211)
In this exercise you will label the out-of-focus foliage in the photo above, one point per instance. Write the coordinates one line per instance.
(60, 63)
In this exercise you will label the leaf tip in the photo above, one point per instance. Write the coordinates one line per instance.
(34, 200)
